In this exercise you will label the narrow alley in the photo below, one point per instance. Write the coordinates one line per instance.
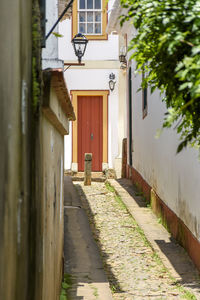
(108, 90)
(134, 266)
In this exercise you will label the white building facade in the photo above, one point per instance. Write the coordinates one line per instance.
(88, 83)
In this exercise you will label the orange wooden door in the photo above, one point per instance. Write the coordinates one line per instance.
(90, 130)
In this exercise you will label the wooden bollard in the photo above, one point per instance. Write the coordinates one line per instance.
(88, 169)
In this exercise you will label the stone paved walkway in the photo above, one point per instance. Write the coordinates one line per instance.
(134, 270)
(83, 265)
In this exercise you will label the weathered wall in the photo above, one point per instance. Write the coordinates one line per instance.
(15, 86)
(173, 177)
(50, 242)
(49, 188)
(31, 165)
(170, 181)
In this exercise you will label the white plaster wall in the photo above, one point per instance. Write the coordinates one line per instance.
(96, 50)
(51, 49)
(68, 149)
(93, 79)
(175, 178)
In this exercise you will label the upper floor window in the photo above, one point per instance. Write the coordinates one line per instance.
(90, 18)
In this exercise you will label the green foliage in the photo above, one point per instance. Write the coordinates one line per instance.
(56, 34)
(167, 46)
(36, 56)
(117, 197)
(66, 284)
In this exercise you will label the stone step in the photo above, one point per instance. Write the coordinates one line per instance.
(79, 176)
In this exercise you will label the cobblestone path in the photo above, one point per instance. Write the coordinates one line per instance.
(133, 269)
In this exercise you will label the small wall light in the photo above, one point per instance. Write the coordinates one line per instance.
(112, 81)
(79, 43)
(122, 58)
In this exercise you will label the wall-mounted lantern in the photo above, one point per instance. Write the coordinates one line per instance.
(79, 43)
(112, 81)
(122, 58)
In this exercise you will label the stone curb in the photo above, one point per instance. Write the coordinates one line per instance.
(173, 256)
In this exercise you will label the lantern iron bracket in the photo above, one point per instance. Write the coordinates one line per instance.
(72, 64)
(61, 16)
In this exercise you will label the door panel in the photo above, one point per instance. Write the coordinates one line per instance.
(90, 130)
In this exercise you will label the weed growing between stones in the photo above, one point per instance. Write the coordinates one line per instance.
(66, 284)
(123, 206)
(95, 291)
(184, 294)
(117, 197)
(134, 269)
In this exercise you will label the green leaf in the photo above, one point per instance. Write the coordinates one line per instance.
(167, 41)
(181, 146)
(56, 34)
(195, 50)
(65, 285)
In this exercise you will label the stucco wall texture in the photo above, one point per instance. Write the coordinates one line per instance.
(48, 220)
(174, 177)
(51, 223)
(15, 87)
(31, 171)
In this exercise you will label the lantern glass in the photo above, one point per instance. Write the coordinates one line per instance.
(122, 58)
(79, 43)
(111, 85)
(112, 81)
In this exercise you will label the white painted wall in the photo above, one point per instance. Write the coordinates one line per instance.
(51, 49)
(50, 52)
(93, 79)
(175, 178)
(96, 50)
(68, 149)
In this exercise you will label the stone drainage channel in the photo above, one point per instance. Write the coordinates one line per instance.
(133, 268)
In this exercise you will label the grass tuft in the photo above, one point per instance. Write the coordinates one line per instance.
(66, 284)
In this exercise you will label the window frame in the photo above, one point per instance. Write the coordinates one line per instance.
(75, 22)
(86, 12)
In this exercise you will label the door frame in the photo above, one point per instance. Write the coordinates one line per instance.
(74, 95)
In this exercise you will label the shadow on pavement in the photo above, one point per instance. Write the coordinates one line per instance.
(181, 263)
(82, 258)
(114, 284)
(176, 254)
(133, 191)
